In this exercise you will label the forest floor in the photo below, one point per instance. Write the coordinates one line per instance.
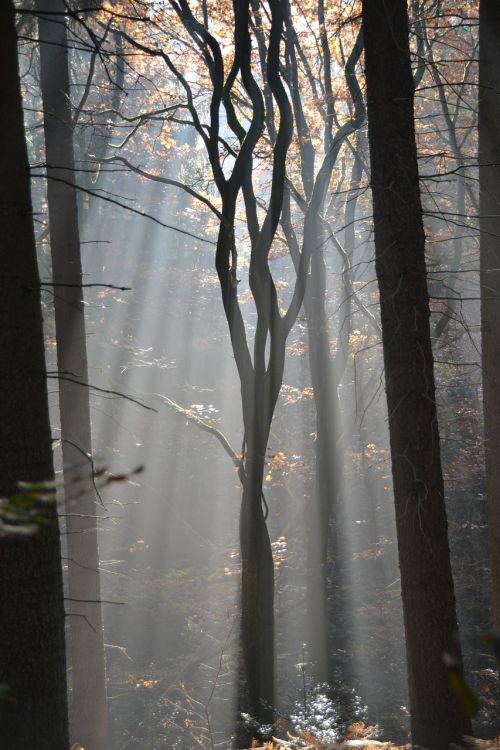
(173, 672)
(358, 735)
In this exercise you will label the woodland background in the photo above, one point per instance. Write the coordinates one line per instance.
(253, 225)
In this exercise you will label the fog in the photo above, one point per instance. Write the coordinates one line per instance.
(165, 387)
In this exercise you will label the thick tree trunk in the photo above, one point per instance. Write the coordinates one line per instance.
(32, 658)
(88, 696)
(489, 180)
(426, 581)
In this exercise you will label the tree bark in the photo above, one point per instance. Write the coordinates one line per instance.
(489, 182)
(257, 591)
(426, 580)
(32, 655)
(88, 695)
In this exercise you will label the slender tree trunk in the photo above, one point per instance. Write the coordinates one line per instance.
(90, 154)
(257, 590)
(328, 458)
(458, 246)
(256, 687)
(325, 374)
(88, 704)
(489, 180)
(426, 580)
(329, 461)
(32, 657)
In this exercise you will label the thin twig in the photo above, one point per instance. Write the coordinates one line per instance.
(86, 286)
(62, 376)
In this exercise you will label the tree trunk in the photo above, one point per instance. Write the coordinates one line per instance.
(489, 181)
(257, 591)
(88, 703)
(32, 657)
(329, 460)
(426, 580)
(259, 393)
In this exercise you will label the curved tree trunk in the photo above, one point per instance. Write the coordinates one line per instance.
(426, 580)
(32, 657)
(489, 181)
(88, 695)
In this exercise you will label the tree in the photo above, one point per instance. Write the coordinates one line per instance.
(92, 137)
(88, 694)
(32, 654)
(489, 175)
(326, 371)
(204, 83)
(305, 187)
(430, 621)
(260, 373)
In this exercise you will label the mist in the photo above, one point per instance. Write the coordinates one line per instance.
(242, 560)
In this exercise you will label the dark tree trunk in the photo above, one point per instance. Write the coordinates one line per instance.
(256, 688)
(257, 591)
(426, 580)
(261, 376)
(88, 696)
(32, 657)
(489, 180)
